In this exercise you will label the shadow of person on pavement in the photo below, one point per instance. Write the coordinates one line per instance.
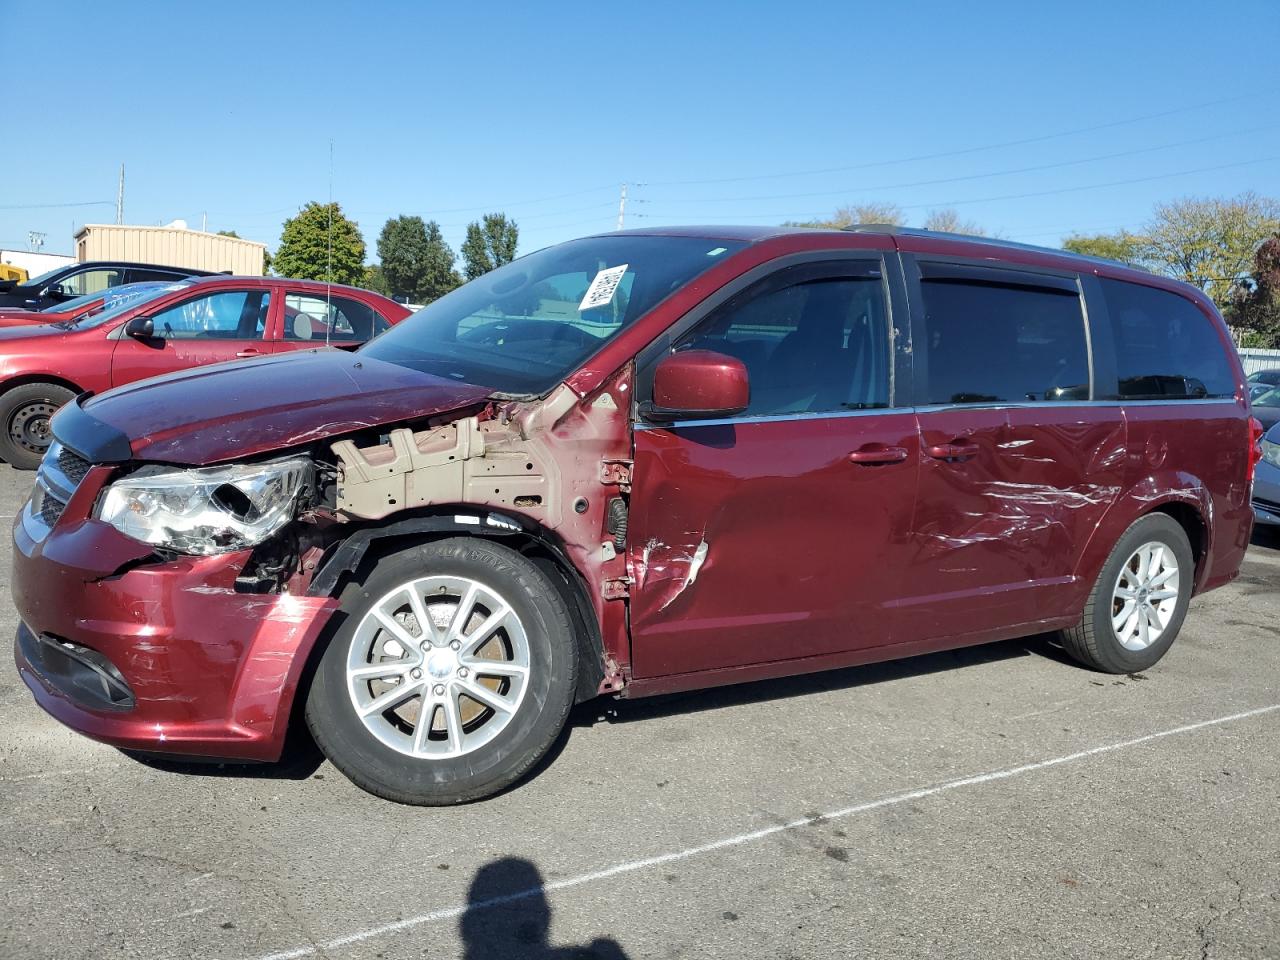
(508, 918)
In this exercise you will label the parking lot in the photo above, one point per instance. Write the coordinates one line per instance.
(995, 802)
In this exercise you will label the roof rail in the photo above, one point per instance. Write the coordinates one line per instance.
(891, 229)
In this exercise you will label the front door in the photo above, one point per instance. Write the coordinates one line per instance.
(210, 328)
(1016, 465)
(780, 533)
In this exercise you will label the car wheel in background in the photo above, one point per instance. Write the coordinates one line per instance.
(451, 675)
(25, 412)
(1137, 605)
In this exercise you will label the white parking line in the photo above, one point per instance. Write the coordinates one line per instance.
(630, 866)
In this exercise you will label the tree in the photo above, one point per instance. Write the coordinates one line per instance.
(439, 275)
(310, 250)
(405, 255)
(948, 221)
(1255, 305)
(375, 280)
(1123, 246)
(856, 213)
(489, 244)
(1210, 243)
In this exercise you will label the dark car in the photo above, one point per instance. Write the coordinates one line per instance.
(80, 279)
(633, 464)
(1266, 407)
(1260, 381)
(185, 324)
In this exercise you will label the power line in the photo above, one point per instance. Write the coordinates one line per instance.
(981, 176)
(1021, 196)
(966, 150)
(53, 206)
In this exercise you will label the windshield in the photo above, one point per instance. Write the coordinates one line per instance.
(47, 275)
(118, 304)
(526, 326)
(1269, 399)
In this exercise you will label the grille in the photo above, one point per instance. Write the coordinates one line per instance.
(50, 507)
(72, 465)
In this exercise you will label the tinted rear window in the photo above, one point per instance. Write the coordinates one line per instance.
(1166, 349)
(996, 343)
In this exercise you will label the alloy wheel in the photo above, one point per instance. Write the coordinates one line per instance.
(1145, 596)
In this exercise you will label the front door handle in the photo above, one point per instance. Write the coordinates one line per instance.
(249, 352)
(958, 449)
(876, 453)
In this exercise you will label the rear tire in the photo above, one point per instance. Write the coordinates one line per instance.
(462, 708)
(1139, 601)
(24, 422)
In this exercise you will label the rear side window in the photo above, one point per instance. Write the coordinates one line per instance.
(339, 319)
(1166, 349)
(1003, 343)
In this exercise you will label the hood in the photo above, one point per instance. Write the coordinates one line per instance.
(23, 318)
(249, 407)
(12, 327)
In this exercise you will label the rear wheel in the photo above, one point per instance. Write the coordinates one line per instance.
(1139, 601)
(451, 676)
(25, 412)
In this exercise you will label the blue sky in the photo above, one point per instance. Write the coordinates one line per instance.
(713, 112)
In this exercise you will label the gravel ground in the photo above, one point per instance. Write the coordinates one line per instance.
(995, 802)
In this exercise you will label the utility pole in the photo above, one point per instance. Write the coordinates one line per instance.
(120, 197)
(622, 206)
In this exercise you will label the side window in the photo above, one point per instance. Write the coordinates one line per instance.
(137, 275)
(344, 320)
(1003, 343)
(1165, 347)
(229, 315)
(88, 281)
(809, 347)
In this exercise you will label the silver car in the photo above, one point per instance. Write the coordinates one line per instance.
(1266, 482)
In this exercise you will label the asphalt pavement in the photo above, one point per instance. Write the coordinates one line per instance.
(993, 802)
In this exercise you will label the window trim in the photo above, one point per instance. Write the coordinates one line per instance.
(827, 264)
(944, 267)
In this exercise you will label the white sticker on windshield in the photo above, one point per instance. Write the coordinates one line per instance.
(602, 288)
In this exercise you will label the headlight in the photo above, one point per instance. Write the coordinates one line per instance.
(1271, 452)
(208, 511)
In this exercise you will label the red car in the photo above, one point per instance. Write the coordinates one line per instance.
(632, 464)
(191, 323)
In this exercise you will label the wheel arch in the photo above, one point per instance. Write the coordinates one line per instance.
(354, 556)
(26, 379)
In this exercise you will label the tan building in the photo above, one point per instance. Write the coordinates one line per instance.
(170, 246)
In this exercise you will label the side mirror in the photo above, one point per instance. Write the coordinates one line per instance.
(699, 384)
(140, 327)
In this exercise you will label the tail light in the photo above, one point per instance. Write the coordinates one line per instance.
(1256, 431)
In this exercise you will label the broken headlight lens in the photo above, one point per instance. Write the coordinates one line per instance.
(207, 511)
(1271, 452)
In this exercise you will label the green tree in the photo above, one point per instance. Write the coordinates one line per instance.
(856, 213)
(1254, 310)
(439, 275)
(1209, 242)
(321, 244)
(375, 280)
(1124, 247)
(489, 244)
(406, 256)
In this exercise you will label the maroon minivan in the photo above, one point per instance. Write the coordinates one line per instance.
(631, 464)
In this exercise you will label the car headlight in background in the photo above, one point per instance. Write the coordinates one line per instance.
(1271, 452)
(207, 511)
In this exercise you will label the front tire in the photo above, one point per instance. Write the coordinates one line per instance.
(450, 677)
(1139, 601)
(25, 412)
